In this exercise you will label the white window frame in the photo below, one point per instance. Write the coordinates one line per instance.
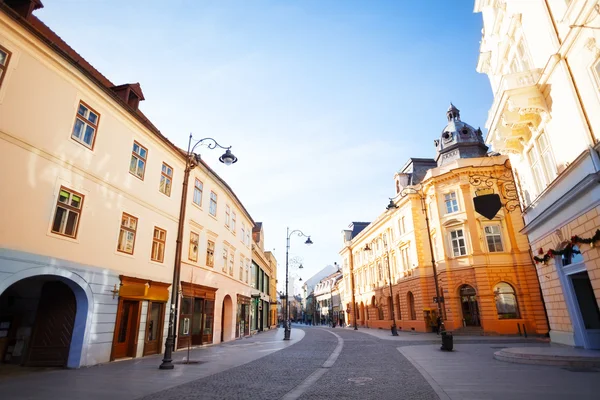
(83, 116)
(212, 209)
(453, 202)
(457, 239)
(198, 191)
(541, 163)
(494, 235)
(139, 156)
(227, 215)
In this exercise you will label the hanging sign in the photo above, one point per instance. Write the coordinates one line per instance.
(487, 204)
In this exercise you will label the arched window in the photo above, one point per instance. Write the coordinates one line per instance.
(399, 306)
(506, 301)
(410, 299)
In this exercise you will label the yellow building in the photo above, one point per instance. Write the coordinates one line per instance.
(486, 277)
(543, 62)
(264, 283)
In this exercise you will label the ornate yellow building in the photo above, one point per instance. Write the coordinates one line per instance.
(487, 281)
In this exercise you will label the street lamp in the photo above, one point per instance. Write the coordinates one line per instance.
(288, 327)
(191, 161)
(439, 299)
(391, 206)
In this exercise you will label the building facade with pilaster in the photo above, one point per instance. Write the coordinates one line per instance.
(543, 62)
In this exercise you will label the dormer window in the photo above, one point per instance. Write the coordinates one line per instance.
(130, 93)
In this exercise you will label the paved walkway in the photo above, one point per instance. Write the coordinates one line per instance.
(404, 336)
(135, 378)
(471, 373)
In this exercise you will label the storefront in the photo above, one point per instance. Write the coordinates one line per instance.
(139, 297)
(243, 316)
(196, 316)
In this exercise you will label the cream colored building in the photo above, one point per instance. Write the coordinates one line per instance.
(90, 215)
(543, 62)
(486, 277)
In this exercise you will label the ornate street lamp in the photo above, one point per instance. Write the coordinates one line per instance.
(391, 206)
(288, 327)
(191, 161)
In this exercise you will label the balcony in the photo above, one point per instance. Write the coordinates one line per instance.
(518, 106)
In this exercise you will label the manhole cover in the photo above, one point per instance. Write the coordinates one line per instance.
(189, 362)
(360, 380)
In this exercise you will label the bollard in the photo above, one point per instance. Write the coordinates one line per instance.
(447, 341)
(519, 328)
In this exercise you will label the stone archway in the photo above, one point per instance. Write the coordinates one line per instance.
(60, 305)
(227, 324)
(469, 305)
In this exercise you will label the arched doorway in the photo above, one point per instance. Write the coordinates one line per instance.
(410, 302)
(469, 306)
(45, 318)
(227, 319)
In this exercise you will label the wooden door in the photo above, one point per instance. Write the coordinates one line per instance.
(207, 323)
(154, 328)
(53, 328)
(197, 314)
(124, 343)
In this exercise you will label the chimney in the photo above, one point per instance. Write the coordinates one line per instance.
(24, 7)
(130, 93)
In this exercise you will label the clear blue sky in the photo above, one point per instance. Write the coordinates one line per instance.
(323, 101)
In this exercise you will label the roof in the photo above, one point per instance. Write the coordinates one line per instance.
(257, 227)
(357, 227)
(48, 36)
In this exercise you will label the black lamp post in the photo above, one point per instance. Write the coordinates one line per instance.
(191, 161)
(439, 299)
(288, 327)
(391, 206)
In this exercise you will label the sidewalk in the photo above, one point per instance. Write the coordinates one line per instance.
(471, 373)
(138, 377)
(405, 336)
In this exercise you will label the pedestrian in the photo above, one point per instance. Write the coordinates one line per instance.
(439, 324)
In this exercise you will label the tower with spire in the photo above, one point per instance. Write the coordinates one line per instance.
(458, 140)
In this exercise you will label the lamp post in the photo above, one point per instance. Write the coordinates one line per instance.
(288, 327)
(191, 161)
(419, 192)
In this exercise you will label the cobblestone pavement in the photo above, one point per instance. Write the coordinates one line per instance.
(366, 368)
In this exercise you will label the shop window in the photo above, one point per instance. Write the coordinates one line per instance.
(506, 301)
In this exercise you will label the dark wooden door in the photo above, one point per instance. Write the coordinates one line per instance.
(197, 314)
(53, 327)
(126, 329)
(154, 328)
(208, 319)
(470, 308)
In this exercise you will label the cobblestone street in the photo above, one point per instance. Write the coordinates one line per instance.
(318, 363)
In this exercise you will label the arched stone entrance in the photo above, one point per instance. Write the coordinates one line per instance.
(227, 333)
(47, 316)
(469, 306)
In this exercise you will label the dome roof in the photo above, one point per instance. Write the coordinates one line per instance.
(458, 135)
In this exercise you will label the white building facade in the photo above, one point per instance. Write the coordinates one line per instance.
(543, 62)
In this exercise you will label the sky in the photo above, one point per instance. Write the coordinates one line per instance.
(322, 100)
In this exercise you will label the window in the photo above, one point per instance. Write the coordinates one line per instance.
(493, 238)
(231, 262)
(248, 237)
(137, 165)
(596, 69)
(247, 270)
(227, 215)
(243, 232)
(572, 257)
(212, 210)
(193, 252)
(225, 254)
(127, 233)
(166, 178)
(405, 258)
(86, 125)
(379, 272)
(233, 219)
(410, 302)
(4, 59)
(541, 161)
(68, 212)
(242, 269)
(451, 202)
(198, 187)
(506, 301)
(158, 244)
(210, 254)
(401, 226)
(458, 242)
